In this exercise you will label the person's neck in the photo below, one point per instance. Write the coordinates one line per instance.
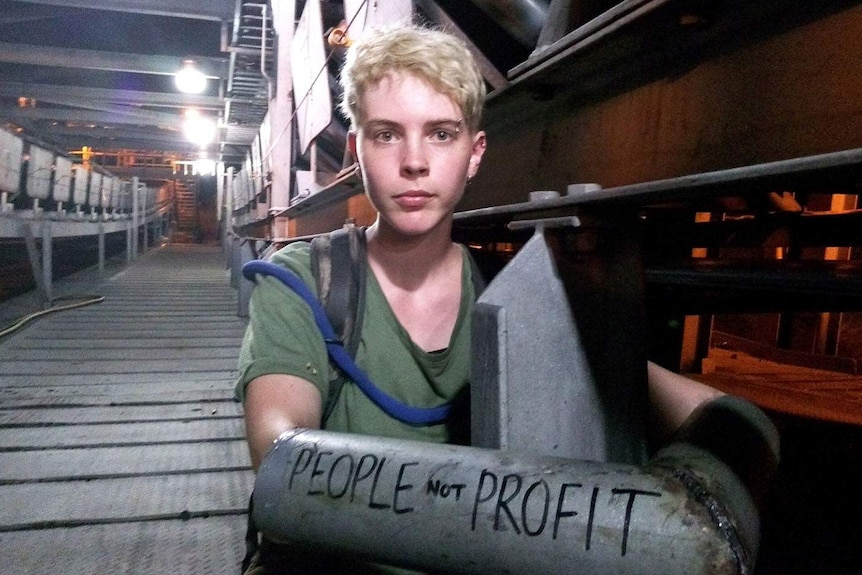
(409, 258)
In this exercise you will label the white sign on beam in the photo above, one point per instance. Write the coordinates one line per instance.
(363, 15)
(62, 179)
(82, 180)
(40, 170)
(310, 78)
(11, 148)
(95, 194)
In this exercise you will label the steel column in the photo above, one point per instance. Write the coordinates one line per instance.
(559, 356)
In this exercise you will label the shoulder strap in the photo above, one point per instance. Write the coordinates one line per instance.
(338, 266)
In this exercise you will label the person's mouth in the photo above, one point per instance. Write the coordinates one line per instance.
(413, 199)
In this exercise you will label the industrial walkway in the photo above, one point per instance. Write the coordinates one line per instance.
(121, 448)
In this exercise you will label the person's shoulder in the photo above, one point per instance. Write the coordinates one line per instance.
(295, 256)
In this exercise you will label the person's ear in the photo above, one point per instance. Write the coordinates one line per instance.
(351, 144)
(478, 149)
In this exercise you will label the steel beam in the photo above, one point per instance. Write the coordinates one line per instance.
(193, 9)
(109, 61)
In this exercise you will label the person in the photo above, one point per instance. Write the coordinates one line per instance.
(414, 97)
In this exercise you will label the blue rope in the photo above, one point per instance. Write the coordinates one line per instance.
(335, 348)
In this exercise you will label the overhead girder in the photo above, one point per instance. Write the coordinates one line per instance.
(194, 9)
(75, 95)
(108, 61)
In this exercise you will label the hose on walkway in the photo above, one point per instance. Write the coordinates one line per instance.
(85, 301)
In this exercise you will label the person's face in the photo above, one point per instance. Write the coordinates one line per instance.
(415, 152)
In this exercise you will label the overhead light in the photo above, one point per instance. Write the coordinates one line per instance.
(204, 167)
(189, 79)
(198, 128)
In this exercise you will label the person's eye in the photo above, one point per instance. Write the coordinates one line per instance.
(384, 136)
(442, 136)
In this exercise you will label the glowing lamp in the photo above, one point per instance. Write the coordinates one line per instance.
(198, 129)
(204, 167)
(189, 79)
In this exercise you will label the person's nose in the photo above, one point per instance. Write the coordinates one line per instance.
(414, 161)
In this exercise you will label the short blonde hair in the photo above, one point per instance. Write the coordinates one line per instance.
(434, 56)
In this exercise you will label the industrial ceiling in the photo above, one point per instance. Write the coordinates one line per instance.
(97, 77)
(78, 75)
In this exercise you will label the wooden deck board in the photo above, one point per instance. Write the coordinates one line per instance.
(805, 392)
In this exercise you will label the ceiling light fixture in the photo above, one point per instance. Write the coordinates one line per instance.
(204, 167)
(189, 79)
(198, 128)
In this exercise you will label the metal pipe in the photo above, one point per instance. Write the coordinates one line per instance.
(472, 510)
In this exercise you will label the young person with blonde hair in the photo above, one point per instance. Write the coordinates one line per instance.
(414, 98)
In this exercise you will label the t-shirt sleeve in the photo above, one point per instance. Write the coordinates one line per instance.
(282, 336)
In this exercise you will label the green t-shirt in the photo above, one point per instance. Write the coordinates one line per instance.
(283, 338)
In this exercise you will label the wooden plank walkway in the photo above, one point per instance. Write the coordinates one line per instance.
(816, 394)
(121, 447)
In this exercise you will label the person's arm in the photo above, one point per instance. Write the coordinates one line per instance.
(672, 398)
(276, 403)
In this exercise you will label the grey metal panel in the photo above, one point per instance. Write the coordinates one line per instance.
(127, 499)
(130, 353)
(120, 414)
(153, 320)
(140, 460)
(20, 397)
(125, 331)
(95, 434)
(140, 343)
(579, 314)
(39, 380)
(139, 455)
(56, 387)
(114, 366)
(211, 545)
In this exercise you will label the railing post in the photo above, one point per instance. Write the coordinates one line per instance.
(244, 286)
(101, 250)
(146, 223)
(47, 261)
(136, 217)
(129, 248)
(33, 254)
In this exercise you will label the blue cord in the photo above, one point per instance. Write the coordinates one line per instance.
(391, 406)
